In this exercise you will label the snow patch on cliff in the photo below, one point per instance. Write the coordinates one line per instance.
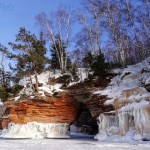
(131, 77)
(46, 85)
(127, 93)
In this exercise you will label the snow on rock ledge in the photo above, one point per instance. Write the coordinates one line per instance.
(36, 130)
(127, 93)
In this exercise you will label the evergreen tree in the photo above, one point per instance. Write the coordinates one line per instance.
(88, 60)
(97, 64)
(5, 76)
(31, 57)
(54, 58)
(56, 52)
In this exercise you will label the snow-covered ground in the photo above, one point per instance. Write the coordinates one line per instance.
(43, 79)
(67, 144)
(47, 85)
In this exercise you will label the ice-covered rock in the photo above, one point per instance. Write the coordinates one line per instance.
(129, 95)
(36, 130)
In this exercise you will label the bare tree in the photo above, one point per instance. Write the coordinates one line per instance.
(58, 25)
(2, 70)
(92, 24)
(143, 18)
(3, 63)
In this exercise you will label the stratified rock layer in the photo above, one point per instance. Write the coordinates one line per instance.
(62, 109)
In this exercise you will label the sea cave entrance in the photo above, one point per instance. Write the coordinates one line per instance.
(84, 125)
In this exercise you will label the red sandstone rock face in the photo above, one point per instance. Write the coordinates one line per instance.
(4, 123)
(62, 109)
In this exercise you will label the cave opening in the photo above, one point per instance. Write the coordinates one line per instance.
(84, 123)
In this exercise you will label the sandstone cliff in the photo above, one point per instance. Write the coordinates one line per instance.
(62, 109)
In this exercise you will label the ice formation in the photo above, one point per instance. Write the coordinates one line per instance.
(36, 130)
(126, 92)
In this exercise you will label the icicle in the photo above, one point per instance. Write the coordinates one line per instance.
(113, 121)
(103, 122)
(123, 122)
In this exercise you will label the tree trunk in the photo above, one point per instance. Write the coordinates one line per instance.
(36, 80)
(36, 77)
(31, 82)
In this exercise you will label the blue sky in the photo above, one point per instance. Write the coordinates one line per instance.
(21, 13)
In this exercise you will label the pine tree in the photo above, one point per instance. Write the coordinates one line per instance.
(5, 76)
(31, 57)
(97, 64)
(56, 54)
(54, 58)
(88, 60)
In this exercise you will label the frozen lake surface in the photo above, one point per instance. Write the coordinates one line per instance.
(67, 144)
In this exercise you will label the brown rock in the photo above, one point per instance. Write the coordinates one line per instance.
(83, 92)
(4, 123)
(61, 109)
(96, 105)
(147, 87)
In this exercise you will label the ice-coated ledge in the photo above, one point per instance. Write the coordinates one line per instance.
(36, 130)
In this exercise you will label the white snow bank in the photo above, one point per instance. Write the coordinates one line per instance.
(36, 130)
(82, 73)
(130, 137)
(46, 86)
(43, 79)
